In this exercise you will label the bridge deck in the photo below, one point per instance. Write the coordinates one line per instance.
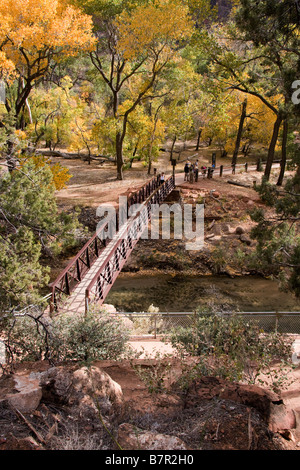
(75, 303)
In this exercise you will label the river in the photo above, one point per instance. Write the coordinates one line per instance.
(184, 293)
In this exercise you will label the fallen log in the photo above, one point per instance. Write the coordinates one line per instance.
(56, 153)
(236, 183)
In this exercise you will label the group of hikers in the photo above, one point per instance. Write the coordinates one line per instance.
(191, 171)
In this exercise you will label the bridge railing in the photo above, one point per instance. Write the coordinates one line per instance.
(126, 240)
(76, 269)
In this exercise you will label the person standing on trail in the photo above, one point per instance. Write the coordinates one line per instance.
(191, 174)
(196, 171)
(186, 170)
(162, 178)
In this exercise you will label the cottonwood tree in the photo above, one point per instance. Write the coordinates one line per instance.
(32, 35)
(135, 39)
(238, 63)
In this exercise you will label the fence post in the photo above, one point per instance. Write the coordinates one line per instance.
(221, 170)
(246, 167)
(276, 322)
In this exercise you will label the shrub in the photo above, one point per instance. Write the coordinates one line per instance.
(229, 346)
(34, 336)
(95, 336)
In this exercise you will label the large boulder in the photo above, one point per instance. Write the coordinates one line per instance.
(94, 382)
(281, 418)
(81, 387)
(13, 443)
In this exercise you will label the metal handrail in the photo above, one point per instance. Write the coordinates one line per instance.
(116, 268)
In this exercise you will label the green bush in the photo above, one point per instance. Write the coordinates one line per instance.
(229, 346)
(25, 338)
(95, 336)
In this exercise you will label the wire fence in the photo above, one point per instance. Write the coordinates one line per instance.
(147, 324)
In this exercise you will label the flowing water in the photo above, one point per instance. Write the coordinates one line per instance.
(182, 293)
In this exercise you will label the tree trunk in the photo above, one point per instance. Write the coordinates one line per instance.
(119, 156)
(198, 138)
(149, 166)
(172, 148)
(239, 134)
(283, 153)
(271, 151)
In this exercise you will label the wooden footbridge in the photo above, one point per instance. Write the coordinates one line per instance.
(89, 276)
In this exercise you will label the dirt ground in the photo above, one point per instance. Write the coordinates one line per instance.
(210, 416)
(96, 183)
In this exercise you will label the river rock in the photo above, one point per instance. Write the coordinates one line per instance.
(216, 229)
(226, 228)
(132, 438)
(108, 308)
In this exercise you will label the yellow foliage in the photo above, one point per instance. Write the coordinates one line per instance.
(21, 135)
(31, 30)
(261, 121)
(7, 67)
(63, 117)
(60, 174)
(154, 27)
